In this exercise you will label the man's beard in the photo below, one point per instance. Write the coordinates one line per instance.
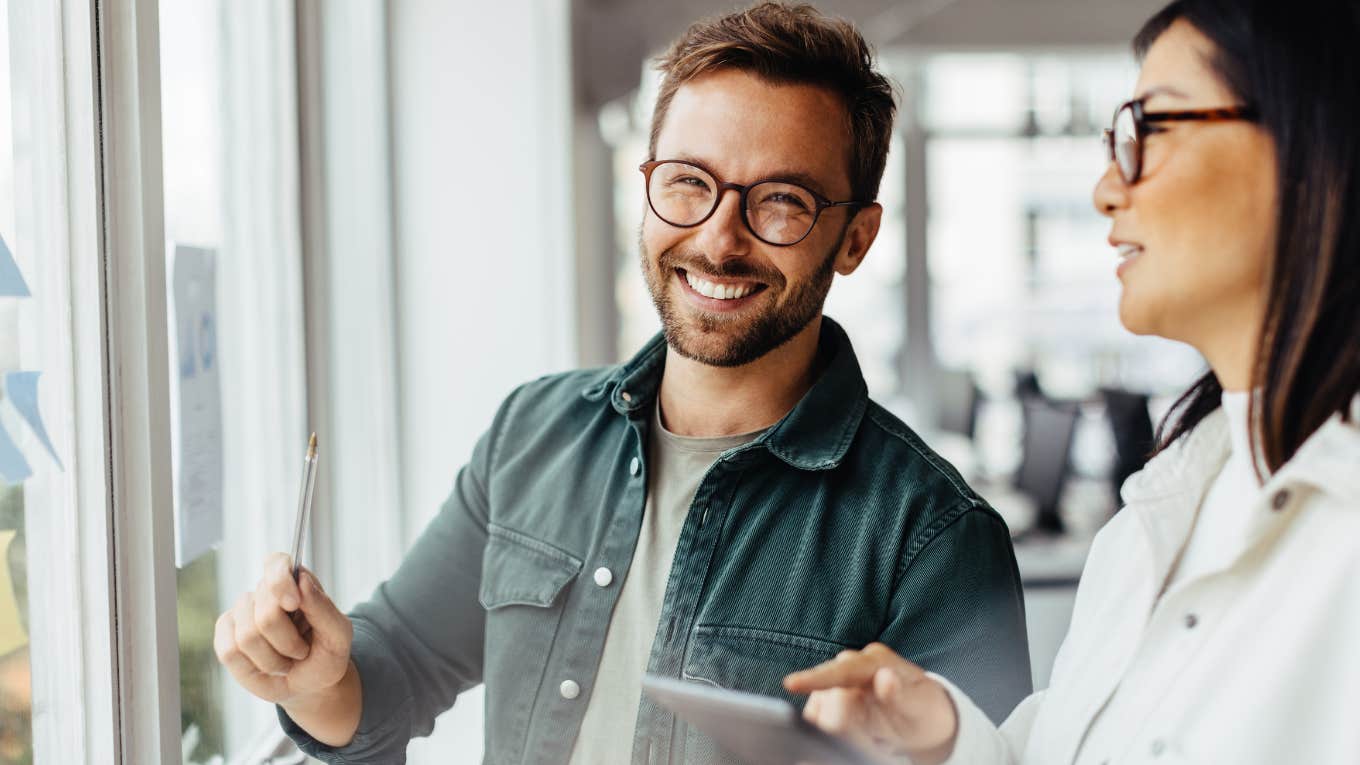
(750, 337)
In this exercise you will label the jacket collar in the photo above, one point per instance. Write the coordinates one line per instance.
(1326, 461)
(1329, 460)
(815, 435)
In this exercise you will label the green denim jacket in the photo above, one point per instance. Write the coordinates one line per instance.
(835, 528)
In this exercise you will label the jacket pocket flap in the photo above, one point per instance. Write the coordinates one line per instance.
(752, 660)
(518, 570)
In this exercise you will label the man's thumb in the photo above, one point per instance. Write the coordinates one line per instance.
(328, 624)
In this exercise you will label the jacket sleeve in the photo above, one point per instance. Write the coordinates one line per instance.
(979, 741)
(418, 641)
(959, 609)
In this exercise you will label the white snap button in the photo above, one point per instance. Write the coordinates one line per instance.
(626, 396)
(635, 466)
(603, 576)
(569, 689)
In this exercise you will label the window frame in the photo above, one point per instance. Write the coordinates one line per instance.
(74, 654)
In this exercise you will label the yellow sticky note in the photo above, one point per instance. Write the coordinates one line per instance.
(12, 636)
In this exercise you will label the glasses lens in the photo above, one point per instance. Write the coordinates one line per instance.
(1127, 152)
(780, 213)
(681, 194)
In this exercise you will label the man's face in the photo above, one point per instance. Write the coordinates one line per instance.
(725, 297)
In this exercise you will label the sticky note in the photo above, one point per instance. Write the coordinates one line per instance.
(21, 388)
(12, 282)
(13, 467)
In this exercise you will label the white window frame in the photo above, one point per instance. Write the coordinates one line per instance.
(104, 651)
(73, 649)
(133, 256)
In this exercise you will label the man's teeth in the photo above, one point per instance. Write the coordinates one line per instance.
(718, 291)
(1127, 250)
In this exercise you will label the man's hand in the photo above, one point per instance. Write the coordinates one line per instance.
(882, 702)
(286, 640)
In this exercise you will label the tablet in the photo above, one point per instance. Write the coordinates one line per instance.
(758, 729)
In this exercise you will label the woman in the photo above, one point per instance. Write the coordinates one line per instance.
(1218, 618)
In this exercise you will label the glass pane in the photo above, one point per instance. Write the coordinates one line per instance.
(976, 92)
(1010, 181)
(233, 280)
(191, 106)
(16, 688)
(871, 303)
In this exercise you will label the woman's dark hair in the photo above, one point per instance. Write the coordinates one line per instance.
(1297, 64)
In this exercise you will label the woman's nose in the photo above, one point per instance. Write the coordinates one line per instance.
(1111, 193)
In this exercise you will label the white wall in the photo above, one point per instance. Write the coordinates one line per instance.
(481, 134)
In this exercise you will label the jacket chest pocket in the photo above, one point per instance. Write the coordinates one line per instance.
(746, 659)
(523, 588)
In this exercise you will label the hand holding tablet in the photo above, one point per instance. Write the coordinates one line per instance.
(882, 701)
(759, 729)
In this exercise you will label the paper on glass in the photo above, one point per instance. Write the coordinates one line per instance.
(196, 400)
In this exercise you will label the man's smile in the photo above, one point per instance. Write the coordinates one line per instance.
(714, 293)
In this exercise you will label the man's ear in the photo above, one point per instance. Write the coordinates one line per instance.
(861, 234)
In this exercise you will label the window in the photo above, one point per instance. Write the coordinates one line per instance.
(234, 295)
(16, 679)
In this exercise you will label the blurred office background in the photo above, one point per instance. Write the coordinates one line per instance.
(415, 205)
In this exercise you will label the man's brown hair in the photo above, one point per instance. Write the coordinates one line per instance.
(792, 44)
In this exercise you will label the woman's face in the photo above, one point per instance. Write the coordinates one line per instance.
(1196, 231)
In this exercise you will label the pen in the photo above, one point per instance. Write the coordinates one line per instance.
(304, 504)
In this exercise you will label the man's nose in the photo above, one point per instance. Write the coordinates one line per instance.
(724, 235)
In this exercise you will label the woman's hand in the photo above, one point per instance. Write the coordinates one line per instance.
(882, 702)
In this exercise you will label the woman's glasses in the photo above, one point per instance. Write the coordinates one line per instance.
(1124, 138)
(779, 213)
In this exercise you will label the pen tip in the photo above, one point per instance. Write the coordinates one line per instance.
(311, 446)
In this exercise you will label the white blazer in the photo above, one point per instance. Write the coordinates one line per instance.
(1256, 660)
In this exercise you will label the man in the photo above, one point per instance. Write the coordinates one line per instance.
(725, 508)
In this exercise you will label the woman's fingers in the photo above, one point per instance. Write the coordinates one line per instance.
(876, 697)
(845, 712)
(849, 668)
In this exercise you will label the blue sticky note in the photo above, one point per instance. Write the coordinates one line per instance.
(12, 282)
(13, 467)
(21, 388)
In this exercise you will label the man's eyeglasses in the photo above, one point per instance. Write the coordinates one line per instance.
(1124, 138)
(779, 213)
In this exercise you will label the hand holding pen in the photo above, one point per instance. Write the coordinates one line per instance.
(286, 642)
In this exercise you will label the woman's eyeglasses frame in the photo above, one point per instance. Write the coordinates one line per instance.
(1143, 120)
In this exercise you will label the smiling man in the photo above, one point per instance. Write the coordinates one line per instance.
(726, 507)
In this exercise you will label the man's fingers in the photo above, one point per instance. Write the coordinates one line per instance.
(331, 629)
(278, 629)
(239, 665)
(252, 643)
(224, 645)
(278, 582)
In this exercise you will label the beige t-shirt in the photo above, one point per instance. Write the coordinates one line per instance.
(677, 467)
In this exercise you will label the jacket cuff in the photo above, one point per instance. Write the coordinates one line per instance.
(977, 741)
(384, 728)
